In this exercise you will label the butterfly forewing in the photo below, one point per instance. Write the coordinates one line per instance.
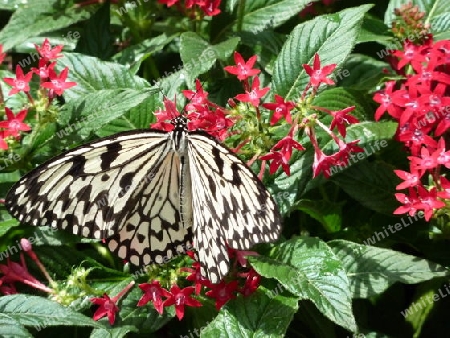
(231, 205)
(105, 190)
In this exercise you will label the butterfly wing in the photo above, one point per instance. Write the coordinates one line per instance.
(231, 205)
(123, 188)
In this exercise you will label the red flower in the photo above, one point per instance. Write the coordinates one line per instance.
(197, 277)
(44, 69)
(14, 123)
(20, 83)
(385, 99)
(210, 7)
(170, 113)
(58, 83)
(340, 119)
(319, 75)
(412, 54)
(426, 161)
(323, 163)
(253, 97)
(47, 52)
(445, 192)
(251, 283)
(243, 69)
(3, 144)
(286, 145)
(197, 97)
(152, 292)
(410, 179)
(281, 109)
(181, 298)
(223, 292)
(240, 255)
(428, 201)
(2, 55)
(443, 157)
(409, 203)
(15, 272)
(108, 306)
(278, 160)
(169, 3)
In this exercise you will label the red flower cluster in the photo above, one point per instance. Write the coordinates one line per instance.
(160, 297)
(50, 81)
(14, 272)
(201, 113)
(280, 154)
(421, 105)
(208, 7)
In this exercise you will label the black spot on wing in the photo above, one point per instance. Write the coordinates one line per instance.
(110, 155)
(77, 168)
(126, 181)
(236, 177)
(218, 159)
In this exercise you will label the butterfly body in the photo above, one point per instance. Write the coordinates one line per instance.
(152, 195)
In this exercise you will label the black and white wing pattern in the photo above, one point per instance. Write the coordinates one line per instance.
(152, 195)
(231, 205)
(123, 188)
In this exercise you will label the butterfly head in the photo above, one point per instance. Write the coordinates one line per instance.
(180, 123)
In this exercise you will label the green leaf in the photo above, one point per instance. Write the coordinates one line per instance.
(135, 54)
(7, 225)
(331, 36)
(309, 269)
(329, 214)
(292, 186)
(11, 328)
(372, 270)
(40, 16)
(361, 72)
(340, 98)
(199, 56)
(40, 312)
(374, 30)
(262, 14)
(371, 184)
(97, 109)
(96, 39)
(93, 75)
(139, 117)
(115, 332)
(260, 315)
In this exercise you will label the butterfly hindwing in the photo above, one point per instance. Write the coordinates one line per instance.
(231, 205)
(154, 231)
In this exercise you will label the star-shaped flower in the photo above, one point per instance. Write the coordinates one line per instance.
(180, 298)
(253, 97)
(14, 123)
(243, 69)
(58, 83)
(20, 83)
(319, 75)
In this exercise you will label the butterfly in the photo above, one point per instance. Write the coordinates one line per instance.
(151, 195)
